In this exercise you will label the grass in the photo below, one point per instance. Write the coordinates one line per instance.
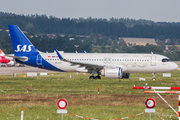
(117, 99)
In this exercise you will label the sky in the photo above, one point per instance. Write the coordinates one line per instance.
(155, 10)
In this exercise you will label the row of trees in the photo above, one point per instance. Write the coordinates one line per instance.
(112, 27)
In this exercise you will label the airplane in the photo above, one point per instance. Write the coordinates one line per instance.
(5, 61)
(110, 65)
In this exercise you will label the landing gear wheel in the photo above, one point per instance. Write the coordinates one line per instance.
(98, 77)
(153, 78)
(91, 77)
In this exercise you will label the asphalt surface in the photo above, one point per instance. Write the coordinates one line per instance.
(15, 69)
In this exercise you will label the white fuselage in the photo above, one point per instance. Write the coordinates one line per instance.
(130, 63)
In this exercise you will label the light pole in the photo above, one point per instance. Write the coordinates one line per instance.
(76, 47)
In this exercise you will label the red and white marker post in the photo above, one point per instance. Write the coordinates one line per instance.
(62, 104)
(27, 89)
(22, 113)
(161, 88)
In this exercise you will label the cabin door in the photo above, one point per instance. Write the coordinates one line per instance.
(153, 60)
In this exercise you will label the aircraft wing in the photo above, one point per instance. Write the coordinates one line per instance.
(82, 64)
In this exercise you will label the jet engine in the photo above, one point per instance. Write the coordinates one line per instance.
(112, 72)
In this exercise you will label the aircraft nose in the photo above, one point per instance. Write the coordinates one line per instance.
(174, 66)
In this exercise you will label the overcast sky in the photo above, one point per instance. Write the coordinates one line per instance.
(155, 10)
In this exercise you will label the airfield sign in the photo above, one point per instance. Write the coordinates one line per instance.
(150, 103)
(62, 104)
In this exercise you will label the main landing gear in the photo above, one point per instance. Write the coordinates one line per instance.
(95, 77)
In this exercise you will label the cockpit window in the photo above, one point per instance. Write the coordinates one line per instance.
(165, 60)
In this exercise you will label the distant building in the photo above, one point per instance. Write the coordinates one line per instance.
(175, 47)
(71, 39)
(30, 36)
(61, 35)
(51, 36)
(139, 41)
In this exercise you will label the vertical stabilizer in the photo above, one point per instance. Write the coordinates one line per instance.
(21, 45)
(1, 53)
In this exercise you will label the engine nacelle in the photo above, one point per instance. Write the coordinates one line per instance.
(125, 75)
(112, 72)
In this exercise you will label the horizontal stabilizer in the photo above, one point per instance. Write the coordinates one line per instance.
(23, 59)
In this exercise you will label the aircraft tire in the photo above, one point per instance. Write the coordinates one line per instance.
(91, 77)
(98, 77)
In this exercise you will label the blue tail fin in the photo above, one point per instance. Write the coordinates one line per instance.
(21, 44)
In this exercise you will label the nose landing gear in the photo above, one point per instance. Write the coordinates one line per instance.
(153, 76)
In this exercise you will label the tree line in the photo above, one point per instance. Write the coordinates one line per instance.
(112, 27)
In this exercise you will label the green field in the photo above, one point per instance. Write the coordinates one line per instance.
(116, 99)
